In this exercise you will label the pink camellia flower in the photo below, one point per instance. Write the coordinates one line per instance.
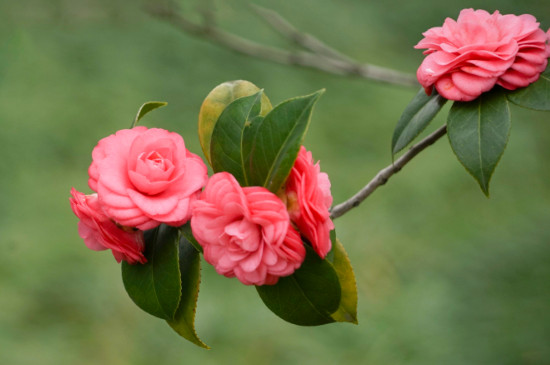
(246, 232)
(99, 232)
(145, 177)
(308, 201)
(467, 57)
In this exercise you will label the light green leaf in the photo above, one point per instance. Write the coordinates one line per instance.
(347, 311)
(309, 296)
(190, 269)
(278, 140)
(535, 96)
(146, 108)
(478, 132)
(155, 286)
(230, 143)
(416, 116)
(216, 101)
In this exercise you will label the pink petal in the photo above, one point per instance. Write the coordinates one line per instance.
(448, 90)
(471, 84)
(153, 205)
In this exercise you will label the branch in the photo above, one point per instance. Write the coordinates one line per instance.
(207, 11)
(319, 56)
(383, 175)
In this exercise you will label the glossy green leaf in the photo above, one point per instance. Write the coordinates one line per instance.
(478, 132)
(535, 96)
(416, 116)
(309, 296)
(230, 144)
(155, 286)
(250, 131)
(347, 311)
(146, 108)
(278, 139)
(190, 269)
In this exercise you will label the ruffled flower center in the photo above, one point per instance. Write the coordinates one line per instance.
(153, 171)
(243, 235)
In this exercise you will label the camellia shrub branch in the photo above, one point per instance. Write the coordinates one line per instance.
(265, 215)
(314, 53)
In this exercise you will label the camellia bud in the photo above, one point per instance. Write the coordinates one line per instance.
(216, 101)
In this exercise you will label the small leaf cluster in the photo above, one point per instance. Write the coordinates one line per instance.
(478, 130)
(258, 144)
(259, 149)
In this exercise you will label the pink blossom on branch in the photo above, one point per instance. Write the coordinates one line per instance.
(471, 55)
(246, 232)
(308, 199)
(145, 177)
(99, 232)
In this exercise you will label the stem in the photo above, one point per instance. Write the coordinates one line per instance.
(383, 175)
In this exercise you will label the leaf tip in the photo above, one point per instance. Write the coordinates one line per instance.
(313, 97)
(483, 184)
(202, 344)
(189, 336)
(345, 317)
(352, 320)
(146, 108)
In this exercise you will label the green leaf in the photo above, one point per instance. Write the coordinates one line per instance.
(155, 286)
(278, 139)
(229, 143)
(478, 132)
(190, 269)
(188, 234)
(216, 101)
(416, 116)
(309, 296)
(535, 96)
(250, 132)
(330, 255)
(347, 311)
(146, 108)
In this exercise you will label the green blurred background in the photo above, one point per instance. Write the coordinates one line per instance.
(445, 275)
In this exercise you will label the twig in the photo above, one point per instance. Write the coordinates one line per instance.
(383, 175)
(305, 40)
(207, 10)
(319, 60)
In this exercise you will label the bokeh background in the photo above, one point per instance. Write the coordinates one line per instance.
(445, 275)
